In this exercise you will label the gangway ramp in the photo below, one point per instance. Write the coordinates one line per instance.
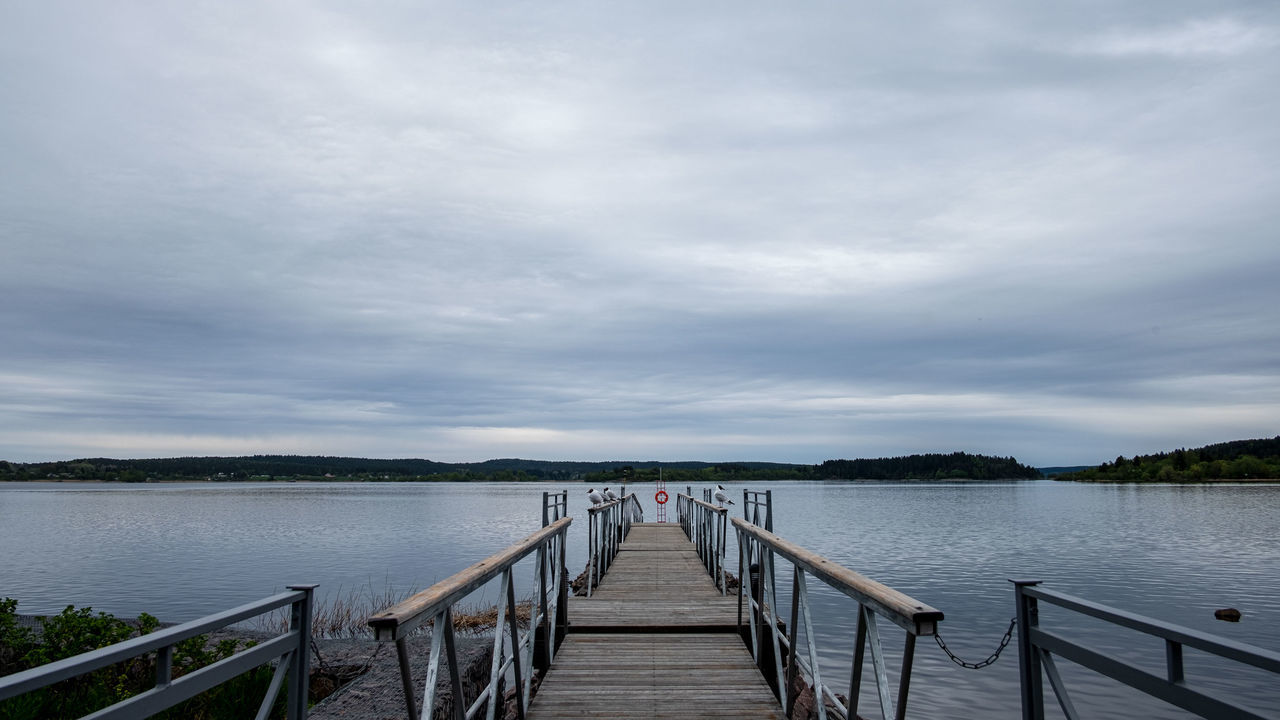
(656, 639)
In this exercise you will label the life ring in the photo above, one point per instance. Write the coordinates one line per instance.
(660, 497)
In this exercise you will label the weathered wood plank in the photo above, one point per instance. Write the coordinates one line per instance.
(399, 619)
(654, 676)
(636, 650)
(902, 609)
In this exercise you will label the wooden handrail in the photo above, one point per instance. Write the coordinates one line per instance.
(903, 610)
(707, 505)
(604, 506)
(398, 620)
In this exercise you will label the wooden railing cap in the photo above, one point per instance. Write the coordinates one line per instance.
(902, 609)
(398, 620)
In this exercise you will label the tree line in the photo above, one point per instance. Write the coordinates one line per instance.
(301, 467)
(932, 466)
(1236, 460)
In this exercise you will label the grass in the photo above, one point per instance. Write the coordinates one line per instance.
(345, 614)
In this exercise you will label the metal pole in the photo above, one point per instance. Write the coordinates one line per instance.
(1028, 657)
(904, 677)
(406, 679)
(300, 682)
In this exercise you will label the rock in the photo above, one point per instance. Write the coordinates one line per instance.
(1228, 614)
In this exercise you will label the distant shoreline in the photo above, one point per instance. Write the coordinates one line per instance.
(1203, 481)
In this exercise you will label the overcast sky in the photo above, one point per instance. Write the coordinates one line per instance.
(708, 231)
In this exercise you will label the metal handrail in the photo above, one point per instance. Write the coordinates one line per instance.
(608, 524)
(554, 506)
(1036, 648)
(706, 526)
(753, 501)
(756, 550)
(291, 650)
(535, 647)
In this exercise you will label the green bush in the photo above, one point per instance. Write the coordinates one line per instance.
(73, 632)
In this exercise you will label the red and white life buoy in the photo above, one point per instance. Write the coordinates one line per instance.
(660, 497)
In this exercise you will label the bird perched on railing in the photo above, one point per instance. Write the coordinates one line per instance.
(610, 495)
(595, 497)
(721, 496)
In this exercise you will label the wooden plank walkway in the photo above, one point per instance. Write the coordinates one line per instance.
(655, 640)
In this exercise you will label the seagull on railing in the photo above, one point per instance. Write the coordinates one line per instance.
(610, 495)
(721, 496)
(594, 497)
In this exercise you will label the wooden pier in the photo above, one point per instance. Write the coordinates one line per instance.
(656, 639)
(657, 636)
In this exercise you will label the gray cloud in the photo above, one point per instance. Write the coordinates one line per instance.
(744, 231)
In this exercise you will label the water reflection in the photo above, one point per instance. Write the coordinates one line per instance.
(1173, 552)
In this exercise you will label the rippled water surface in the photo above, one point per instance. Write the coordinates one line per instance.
(1173, 552)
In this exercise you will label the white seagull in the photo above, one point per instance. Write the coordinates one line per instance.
(721, 496)
(594, 497)
(610, 495)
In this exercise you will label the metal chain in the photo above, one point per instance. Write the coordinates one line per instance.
(1004, 642)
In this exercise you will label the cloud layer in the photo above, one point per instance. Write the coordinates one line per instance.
(734, 231)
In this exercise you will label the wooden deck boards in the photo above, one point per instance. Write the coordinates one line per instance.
(656, 640)
(656, 584)
(623, 675)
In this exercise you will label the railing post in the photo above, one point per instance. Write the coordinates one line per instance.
(768, 510)
(300, 662)
(562, 596)
(164, 666)
(904, 676)
(1028, 658)
(542, 631)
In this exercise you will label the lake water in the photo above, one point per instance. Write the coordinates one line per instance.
(1176, 553)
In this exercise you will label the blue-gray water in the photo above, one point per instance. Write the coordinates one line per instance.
(1172, 552)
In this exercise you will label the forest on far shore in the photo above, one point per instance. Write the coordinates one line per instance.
(1235, 460)
(258, 468)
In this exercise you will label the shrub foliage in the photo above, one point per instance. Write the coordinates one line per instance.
(75, 631)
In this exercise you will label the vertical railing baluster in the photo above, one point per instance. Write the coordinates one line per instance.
(455, 672)
(300, 682)
(742, 580)
(494, 669)
(812, 640)
(1173, 661)
(535, 612)
(855, 675)
(904, 676)
(433, 668)
(724, 542)
(771, 622)
(164, 666)
(793, 633)
(517, 654)
(1028, 658)
(877, 662)
(748, 587)
(591, 547)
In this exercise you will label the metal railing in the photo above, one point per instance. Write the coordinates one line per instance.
(1036, 648)
(290, 650)
(756, 550)
(554, 506)
(757, 508)
(535, 647)
(707, 527)
(608, 524)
